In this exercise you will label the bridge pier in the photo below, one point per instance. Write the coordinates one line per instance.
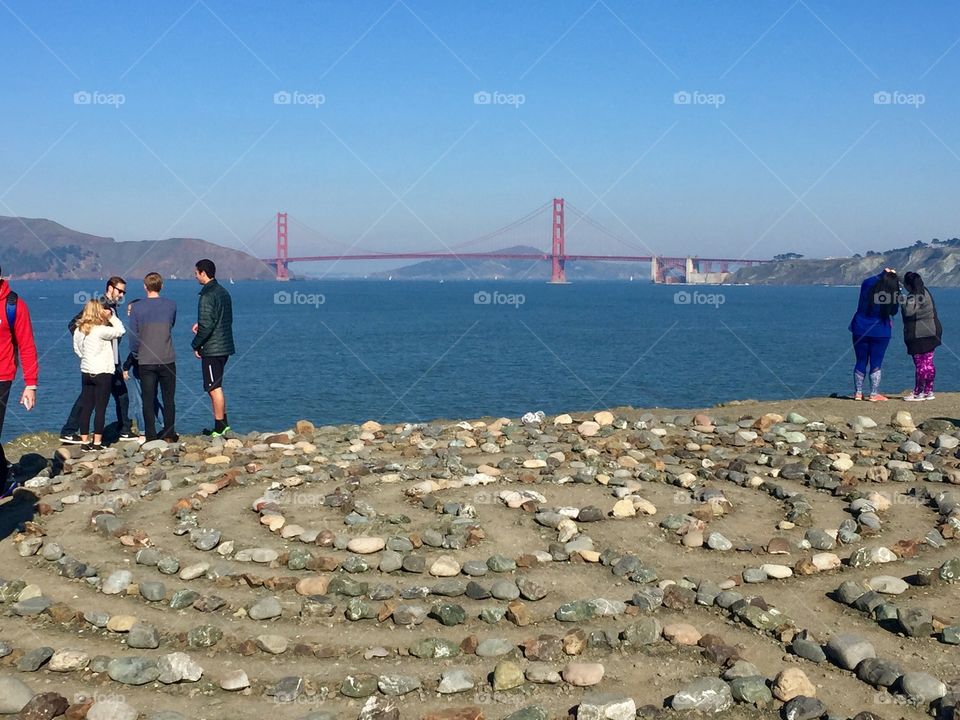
(558, 274)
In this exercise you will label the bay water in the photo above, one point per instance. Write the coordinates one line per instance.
(348, 351)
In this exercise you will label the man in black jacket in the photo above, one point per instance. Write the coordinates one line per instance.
(213, 341)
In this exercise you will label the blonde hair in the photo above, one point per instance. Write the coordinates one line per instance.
(91, 316)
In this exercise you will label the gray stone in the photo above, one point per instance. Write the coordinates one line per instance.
(13, 695)
(116, 582)
(287, 690)
(751, 689)
(133, 670)
(803, 708)
(358, 685)
(494, 647)
(922, 687)
(606, 706)
(153, 590)
(915, 621)
(707, 695)
(848, 650)
(879, 672)
(112, 710)
(394, 685)
(456, 680)
(265, 609)
(33, 660)
(143, 636)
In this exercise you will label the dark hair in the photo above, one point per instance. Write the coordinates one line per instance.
(885, 296)
(207, 268)
(114, 281)
(913, 283)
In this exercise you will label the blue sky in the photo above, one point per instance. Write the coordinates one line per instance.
(781, 147)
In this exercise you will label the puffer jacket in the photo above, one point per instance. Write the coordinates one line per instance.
(921, 326)
(214, 336)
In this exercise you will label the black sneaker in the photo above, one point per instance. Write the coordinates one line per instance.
(128, 435)
(91, 447)
(71, 440)
(171, 438)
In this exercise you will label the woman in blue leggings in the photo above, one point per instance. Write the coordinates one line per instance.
(872, 326)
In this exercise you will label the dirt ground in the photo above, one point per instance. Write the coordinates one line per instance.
(650, 676)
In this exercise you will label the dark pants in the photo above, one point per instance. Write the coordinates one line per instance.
(166, 376)
(4, 396)
(94, 396)
(118, 390)
(869, 351)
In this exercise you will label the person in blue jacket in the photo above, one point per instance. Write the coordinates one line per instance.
(872, 326)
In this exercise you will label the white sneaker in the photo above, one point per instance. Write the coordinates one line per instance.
(913, 397)
(930, 396)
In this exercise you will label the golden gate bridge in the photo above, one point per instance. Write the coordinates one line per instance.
(663, 269)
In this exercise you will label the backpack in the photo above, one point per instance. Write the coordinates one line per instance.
(12, 300)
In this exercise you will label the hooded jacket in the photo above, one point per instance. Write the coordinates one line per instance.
(23, 332)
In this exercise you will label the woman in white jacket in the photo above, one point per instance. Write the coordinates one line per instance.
(93, 340)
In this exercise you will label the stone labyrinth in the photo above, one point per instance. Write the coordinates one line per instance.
(615, 565)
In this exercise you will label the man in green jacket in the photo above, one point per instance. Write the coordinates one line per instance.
(213, 341)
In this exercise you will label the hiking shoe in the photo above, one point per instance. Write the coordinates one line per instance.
(71, 440)
(913, 397)
(171, 438)
(878, 398)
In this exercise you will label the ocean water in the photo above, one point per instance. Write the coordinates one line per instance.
(348, 351)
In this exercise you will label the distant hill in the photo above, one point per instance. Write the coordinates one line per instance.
(494, 268)
(936, 263)
(35, 248)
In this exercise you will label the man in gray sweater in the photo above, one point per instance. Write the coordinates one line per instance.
(151, 343)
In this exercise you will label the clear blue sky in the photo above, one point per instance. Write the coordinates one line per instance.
(398, 79)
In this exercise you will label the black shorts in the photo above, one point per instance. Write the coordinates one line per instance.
(213, 371)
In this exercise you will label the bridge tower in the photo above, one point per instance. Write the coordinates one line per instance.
(558, 254)
(282, 252)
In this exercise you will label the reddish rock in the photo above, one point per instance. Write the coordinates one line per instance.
(575, 642)
(779, 546)
(906, 548)
(45, 706)
(247, 648)
(281, 583)
(469, 645)
(322, 563)
(61, 613)
(527, 561)
(518, 614)
(78, 711)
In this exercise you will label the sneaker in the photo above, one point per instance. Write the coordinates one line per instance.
(91, 447)
(858, 396)
(71, 440)
(8, 488)
(127, 435)
(171, 438)
(220, 433)
(929, 396)
(913, 397)
(878, 398)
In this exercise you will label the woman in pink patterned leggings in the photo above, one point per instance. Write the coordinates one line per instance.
(921, 333)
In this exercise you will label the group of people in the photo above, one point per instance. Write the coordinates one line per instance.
(150, 364)
(881, 297)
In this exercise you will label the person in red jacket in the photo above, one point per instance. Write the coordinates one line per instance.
(16, 348)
